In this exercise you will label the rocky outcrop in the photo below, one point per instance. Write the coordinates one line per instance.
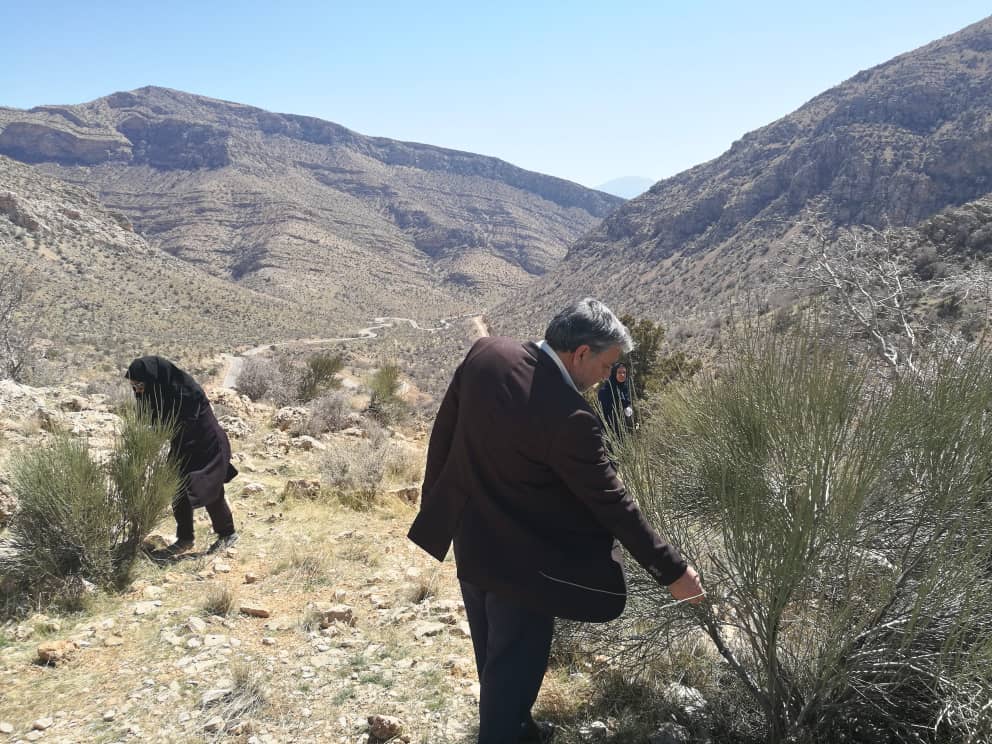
(174, 144)
(17, 212)
(38, 142)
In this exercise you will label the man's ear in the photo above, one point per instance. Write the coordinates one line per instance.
(582, 351)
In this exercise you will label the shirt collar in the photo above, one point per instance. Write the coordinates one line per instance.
(546, 348)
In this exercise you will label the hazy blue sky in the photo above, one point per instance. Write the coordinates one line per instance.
(583, 90)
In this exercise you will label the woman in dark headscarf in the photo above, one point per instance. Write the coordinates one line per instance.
(199, 444)
(614, 397)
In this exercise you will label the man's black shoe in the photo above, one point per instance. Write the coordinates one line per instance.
(222, 543)
(177, 549)
(536, 732)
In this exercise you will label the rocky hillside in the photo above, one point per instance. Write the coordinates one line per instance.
(891, 146)
(98, 285)
(345, 225)
(322, 624)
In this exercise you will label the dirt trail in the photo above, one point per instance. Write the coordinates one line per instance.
(234, 364)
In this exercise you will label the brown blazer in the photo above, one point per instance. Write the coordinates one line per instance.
(518, 478)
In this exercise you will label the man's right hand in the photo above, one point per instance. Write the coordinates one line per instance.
(687, 587)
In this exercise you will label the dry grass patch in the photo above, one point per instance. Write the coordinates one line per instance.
(359, 553)
(221, 599)
(424, 588)
(307, 566)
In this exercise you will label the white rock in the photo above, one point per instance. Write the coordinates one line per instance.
(147, 608)
(426, 630)
(595, 731)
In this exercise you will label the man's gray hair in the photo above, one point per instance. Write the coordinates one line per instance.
(588, 322)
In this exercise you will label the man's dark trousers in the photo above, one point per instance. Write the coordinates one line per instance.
(511, 645)
(221, 518)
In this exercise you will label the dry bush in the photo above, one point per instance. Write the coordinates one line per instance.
(403, 464)
(424, 588)
(115, 390)
(385, 405)
(305, 564)
(355, 473)
(249, 691)
(18, 321)
(327, 413)
(318, 375)
(220, 599)
(358, 553)
(260, 379)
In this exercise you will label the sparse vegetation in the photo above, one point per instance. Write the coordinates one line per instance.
(385, 405)
(355, 473)
(329, 412)
(78, 519)
(650, 370)
(220, 599)
(842, 531)
(18, 321)
(318, 375)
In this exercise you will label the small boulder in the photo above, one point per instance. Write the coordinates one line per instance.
(407, 495)
(595, 731)
(327, 614)
(235, 427)
(427, 629)
(291, 417)
(255, 610)
(302, 488)
(308, 444)
(688, 699)
(385, 727)
(55, 652)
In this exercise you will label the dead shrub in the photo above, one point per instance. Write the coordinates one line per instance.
(220, 599)
(327, 413)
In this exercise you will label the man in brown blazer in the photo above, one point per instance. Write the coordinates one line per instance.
(518, 478)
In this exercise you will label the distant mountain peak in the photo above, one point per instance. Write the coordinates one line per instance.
(626, 187)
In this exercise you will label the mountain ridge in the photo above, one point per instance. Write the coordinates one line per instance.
(892, 145)
(308, 210)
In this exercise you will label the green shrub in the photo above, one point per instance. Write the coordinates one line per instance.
(385, 405)
(77, 518)
(319, 375)
(841, 526)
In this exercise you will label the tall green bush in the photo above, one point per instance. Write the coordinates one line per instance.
(385, 405)
(77, 518)
(319, 375)
(841, 525)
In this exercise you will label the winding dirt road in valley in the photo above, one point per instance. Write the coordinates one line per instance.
(234, 364)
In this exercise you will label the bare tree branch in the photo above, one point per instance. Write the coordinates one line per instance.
(17, 322)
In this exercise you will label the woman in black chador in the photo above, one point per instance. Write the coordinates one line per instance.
(614, 397)
(199, 444)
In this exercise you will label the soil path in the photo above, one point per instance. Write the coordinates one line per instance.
(234, 364)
